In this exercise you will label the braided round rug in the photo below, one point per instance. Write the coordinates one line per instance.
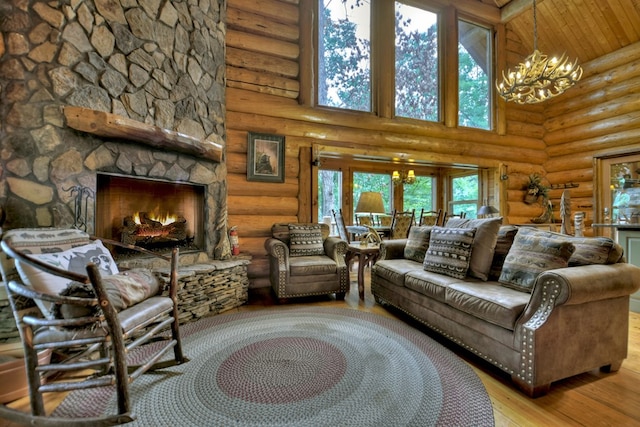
(302, 367)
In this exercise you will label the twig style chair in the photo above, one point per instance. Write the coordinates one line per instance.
(340, 225)
(91, 322)
(430, 217)
(364, 220)
(305, 261)
(402, 222)
(453, 215)
(385, 220)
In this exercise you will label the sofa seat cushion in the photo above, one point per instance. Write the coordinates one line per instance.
(488, 301)
(311, 265)
(433, 285)
(394, 270)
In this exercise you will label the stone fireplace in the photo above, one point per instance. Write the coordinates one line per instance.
(132, 89)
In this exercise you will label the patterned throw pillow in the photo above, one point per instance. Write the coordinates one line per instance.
(484, 243)
(123, 290)
(595, 250)
(75, 259)
(532, 253)
(417, 243)
(305, 240)
(449, 251)
(506, 234)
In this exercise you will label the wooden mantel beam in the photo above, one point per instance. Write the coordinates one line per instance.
(105, 124)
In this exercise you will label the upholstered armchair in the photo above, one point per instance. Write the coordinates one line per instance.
(304, 261)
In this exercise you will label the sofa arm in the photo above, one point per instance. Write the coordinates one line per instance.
(336, 248)
(392, 249)
(578, 285)
(597, 282)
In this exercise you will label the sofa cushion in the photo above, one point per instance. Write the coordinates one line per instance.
(394, 270)
(312, 265)
(449, 251)
(417, 243)
(532, 253)
(430, 284)
(305, 240)
(488, 301)
(483, 245)
(506, 234)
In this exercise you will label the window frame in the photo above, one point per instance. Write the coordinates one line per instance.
(383, 46)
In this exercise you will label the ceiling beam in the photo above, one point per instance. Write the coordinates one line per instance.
(515, 8)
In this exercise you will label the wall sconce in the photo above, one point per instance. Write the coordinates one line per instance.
(402, 177)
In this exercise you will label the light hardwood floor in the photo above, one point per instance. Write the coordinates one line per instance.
(589, 399)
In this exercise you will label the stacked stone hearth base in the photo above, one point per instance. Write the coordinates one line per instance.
(211, 288)
(206, 286)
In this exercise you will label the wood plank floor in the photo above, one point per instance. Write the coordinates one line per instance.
(589, 399)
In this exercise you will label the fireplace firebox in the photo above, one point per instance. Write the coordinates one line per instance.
(153, 214)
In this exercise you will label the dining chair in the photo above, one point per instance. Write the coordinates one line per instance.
(340, 225)
(447, 217)
(385, 220)
(364, 220)
(401, 224)
(430, 217)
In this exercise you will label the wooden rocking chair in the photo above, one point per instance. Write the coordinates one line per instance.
(91, 325)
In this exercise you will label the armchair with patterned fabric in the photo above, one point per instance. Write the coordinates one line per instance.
(305, 261)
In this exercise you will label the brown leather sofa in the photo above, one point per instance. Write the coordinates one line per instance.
(572, 320)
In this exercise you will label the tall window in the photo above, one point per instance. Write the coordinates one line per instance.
(417, 79)
(419, 195)
(345, 61)
(474, 70)
(329, 192)
(344, 65)
(464, 195)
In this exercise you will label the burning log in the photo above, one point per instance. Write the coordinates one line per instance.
(143, 229)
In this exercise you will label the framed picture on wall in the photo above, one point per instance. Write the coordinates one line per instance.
(265, 157)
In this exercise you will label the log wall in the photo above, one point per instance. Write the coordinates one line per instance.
(265, 49)
(599, 116)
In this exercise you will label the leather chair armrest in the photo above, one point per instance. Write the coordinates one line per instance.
(335, 248)
(277, 249)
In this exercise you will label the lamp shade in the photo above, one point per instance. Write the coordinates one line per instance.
(487, 210)
(370, 202)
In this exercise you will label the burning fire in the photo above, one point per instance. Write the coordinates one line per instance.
(165, 219)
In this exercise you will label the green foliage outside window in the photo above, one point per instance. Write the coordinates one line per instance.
(344, 65)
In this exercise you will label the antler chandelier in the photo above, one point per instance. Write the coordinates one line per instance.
(538, 78)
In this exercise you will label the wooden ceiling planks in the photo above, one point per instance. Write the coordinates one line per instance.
(584, 29)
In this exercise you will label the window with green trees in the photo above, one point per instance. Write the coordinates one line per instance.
(419, 195)
(474, 70)
(329, 192)
(368, 181)
(345, 61)
(464, 195)
(417, 71)
(344, 55)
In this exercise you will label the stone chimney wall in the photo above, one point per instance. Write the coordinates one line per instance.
(160, 62)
